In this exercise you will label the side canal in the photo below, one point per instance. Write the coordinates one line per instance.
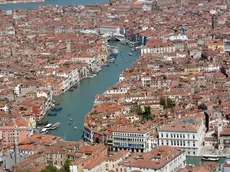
(79, 102)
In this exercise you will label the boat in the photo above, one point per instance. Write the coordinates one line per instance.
(130, 54)
(52, 114)
(44, 131)
(133, 49)
(56, 103)
(71, 119)
(75, 128)
(71, 89)
(56, 125)
(56, 109)
(70, 123)
(210, 157)
(111, 60)
(92, 75)
(48, 126)
(68, 114)
(74, 86)
(107, 65)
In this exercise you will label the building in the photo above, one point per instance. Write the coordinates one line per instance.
(187, 133)
(162, 158)
(109, 29)
(225, 167)
(157, 46)
(8, 132)
(224, 138)
(226, 45)
(133, 139)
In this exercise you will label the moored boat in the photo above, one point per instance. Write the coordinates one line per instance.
(56, 109)
(111, 60)
(56, 125)
(74, 86)
(48, 126)
(44, 131)
(130, 54)
(71, 89)
(52, 114)
(210, 158)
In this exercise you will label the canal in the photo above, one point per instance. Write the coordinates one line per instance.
(79, 102)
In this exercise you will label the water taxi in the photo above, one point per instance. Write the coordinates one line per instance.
(56, 125)
(48, 126)
(210, 157)
(44, 131)
(52, 114)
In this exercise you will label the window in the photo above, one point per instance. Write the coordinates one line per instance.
(188, 152)
(162, 135)
(193, 136)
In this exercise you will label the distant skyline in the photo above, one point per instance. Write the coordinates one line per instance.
(51, 2)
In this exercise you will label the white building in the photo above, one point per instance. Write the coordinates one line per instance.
(187, 133)
(109, 29)
(158, 47)
(178, 37)
(160, 159)
(133, 139)
(18, 90)
(70, 76)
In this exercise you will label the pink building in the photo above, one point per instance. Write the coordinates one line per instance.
(9, 131)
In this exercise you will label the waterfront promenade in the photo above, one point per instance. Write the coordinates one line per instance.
(80, 102)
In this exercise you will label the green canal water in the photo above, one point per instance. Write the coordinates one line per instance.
(79, 102)
(197, 160)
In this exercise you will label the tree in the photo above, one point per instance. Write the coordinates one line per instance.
(50, 168)
(170, 103)
(65, 167)
(147, 114)
(162, 102)
(136, 109)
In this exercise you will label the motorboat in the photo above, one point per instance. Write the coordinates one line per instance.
(48, 126)
(56, 125)
(112, 60)
(56, 109)
(52, 114)
(74, 86)
(44, 131)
